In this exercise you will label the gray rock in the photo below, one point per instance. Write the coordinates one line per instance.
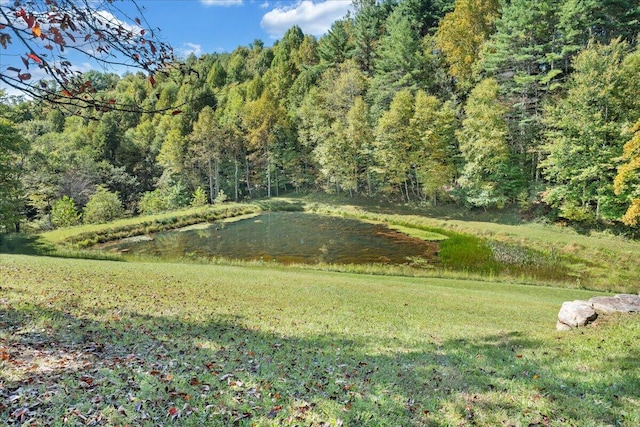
(562, 327)
(623, 303)
(576, 313)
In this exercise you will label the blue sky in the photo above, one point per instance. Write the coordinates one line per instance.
(205, 26)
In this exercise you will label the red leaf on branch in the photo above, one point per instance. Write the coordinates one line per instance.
(24, 76)
(176, 112)
(152, 80)
(30, 20)
(35, 58)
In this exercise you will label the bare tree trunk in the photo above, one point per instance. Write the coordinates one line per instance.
(235, 178)
(246, 164)
(212, 196)
(268, 175)
(406, 189)
(217, 175)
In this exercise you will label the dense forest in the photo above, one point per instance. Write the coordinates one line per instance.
(477, 103)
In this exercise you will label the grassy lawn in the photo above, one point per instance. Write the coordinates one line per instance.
(122, 341)
(87, 342)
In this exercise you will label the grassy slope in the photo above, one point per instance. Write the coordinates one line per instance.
(148, 343)
(607, 262)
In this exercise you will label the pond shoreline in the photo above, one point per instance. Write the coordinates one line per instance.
(286, 238)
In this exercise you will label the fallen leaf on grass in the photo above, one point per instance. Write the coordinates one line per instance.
(226, 377)
(242, 417)
(274, 411)
(173, 413)
(21, 414)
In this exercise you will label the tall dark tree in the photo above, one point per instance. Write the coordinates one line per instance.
(336, 46)
(398, 58)
(368, 27)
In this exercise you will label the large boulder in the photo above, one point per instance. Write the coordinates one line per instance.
(624, 303)
(574, 314)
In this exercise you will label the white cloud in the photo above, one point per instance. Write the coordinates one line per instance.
(221, 2)
(107, 17)
(265, 5)
(188, 48)
(314, 18)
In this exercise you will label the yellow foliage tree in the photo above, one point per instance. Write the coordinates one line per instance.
(627, 179)
(462, 32)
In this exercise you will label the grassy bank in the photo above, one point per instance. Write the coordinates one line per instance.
(505, 251)
(528, 251)
(85, 236)
(145, 344)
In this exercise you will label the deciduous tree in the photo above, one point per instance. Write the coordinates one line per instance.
(461, 34)
(13, 148)
(627, 180)
(483, 146)
(584, 136)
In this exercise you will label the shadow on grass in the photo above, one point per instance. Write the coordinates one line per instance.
(280, 205)
(509, 215)
(24, 244)
(148, 370)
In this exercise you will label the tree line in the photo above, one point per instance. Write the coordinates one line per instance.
(481, 103)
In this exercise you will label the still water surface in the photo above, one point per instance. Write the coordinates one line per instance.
(287, 237)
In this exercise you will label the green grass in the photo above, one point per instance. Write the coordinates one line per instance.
(86, 236)
(600, 260)
(109, 343)
(431, 236)
(500, 247)
(99, 342)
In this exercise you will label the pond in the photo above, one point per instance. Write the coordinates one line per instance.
(287, 238)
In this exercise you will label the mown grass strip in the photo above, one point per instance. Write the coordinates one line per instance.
(90, 235)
